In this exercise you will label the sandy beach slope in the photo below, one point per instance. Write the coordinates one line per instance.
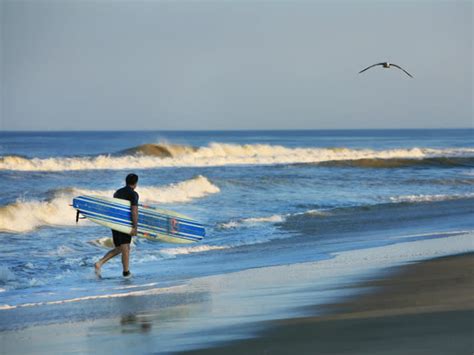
(423, 308)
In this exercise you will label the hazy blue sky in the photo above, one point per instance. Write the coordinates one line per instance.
(234, 64)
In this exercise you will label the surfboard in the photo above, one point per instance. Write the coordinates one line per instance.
(153, 223)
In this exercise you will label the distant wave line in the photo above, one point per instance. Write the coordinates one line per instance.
(219, 154)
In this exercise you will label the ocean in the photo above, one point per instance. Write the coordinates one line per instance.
(268, 198)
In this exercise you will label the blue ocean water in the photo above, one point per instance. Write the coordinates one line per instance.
(267, 197)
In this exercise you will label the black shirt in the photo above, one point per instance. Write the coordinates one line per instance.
(127, 193)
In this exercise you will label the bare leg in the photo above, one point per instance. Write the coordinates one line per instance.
(110, 254)
(125, 248)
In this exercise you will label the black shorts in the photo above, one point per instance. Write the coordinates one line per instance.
(121, 238)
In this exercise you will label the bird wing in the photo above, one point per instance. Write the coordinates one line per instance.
(399, 67)
(373, 65)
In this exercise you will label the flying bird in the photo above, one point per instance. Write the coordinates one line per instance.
(387, 65)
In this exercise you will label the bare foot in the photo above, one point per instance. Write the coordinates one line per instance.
(97, 269)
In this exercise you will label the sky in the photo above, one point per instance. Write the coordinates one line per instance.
(223, 65)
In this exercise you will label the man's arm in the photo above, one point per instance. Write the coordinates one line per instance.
(134, 210)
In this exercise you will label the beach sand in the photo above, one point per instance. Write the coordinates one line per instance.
(417, 308)
(422, 308)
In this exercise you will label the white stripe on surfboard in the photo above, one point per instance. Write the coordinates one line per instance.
(147, 209)
(153, 229)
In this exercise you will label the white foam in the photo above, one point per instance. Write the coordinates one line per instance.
(429, 198)
(313, 213)
(153, 291)
(6, 306)
(192, 250)
(62, 250)
(259, 238)
(24, 216)
(277, 218)
(103, 242)
(219, 154)
(272, 219)
(146, 257)
(252, 221)
(129, 287)
(184, 191)
(180, 192)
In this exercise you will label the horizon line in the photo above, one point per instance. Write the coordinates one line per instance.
(236, 130)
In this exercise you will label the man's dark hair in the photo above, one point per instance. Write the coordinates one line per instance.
(131, 179)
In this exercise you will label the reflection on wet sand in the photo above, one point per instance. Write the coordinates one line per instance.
(132, 323)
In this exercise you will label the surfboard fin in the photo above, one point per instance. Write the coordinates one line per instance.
(78, 217)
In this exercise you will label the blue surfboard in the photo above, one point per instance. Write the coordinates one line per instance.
(153, 223)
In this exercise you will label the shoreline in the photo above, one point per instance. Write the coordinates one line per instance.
(281, 304)
(425, 307)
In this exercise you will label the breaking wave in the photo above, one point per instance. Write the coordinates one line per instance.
(218, 154)
(183, 191)
(160, 150)
(24, 216)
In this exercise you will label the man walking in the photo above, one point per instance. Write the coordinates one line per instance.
(122, 240)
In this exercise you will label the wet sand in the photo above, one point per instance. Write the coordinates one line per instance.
(422, 308)
(417, 308)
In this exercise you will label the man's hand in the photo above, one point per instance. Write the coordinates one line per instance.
(133, 231)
